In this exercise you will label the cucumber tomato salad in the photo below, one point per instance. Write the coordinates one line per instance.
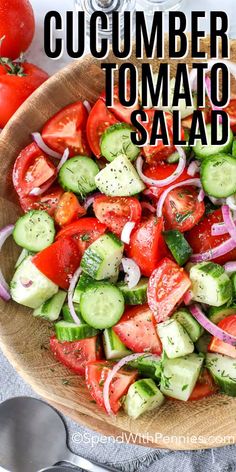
(131, 253)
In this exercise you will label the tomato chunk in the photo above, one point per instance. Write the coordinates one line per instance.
(115, 212)
(228, 324)
(160, 171)
(84, 232)
(47, 202)
(181, 209)
(59, 261)
(100, 118)
(205, 386)
(96, 374)
(136, 330)
(76, 354)
(231, 110)
(120, 111)
(68, 209)
(166, 288)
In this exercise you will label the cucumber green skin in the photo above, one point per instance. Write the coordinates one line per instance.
(202, 275)
(84, 184)
(227, 384)
(203, 343)
(217, 314)
(142, 396)
(147, 367)
(74, 333)
(51, 309)
(94, 257)
(84, 281)
(193, 328)
(233, 280)
(205, 151)
(113, 142)
(136, 295)
(233, 152)
(218, 186)
(178, 246)
(33, 217)
(66, 313)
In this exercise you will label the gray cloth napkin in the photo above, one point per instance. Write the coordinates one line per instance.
(124, 457)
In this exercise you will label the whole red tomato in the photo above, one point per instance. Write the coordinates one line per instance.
(17, 82)
(17, 27)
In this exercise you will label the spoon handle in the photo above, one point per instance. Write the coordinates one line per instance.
(86, 464)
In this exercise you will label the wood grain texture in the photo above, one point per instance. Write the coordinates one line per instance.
(25, 340)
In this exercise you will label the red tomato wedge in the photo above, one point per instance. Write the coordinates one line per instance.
(84, 232)
(76, 354)
(115, 212)
(136, 330)
(166, 288)
(47, 202)
(96, 374)
(201, 240)
(120, 111)
(231, 110)
(59, 261)
(160, 171)
(205, 386)
(68, 209)
(67, 129)
(181, 209)
(228, 324)
(100, 118)
(147, 246)
(32, 169)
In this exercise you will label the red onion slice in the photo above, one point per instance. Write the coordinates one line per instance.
(208, 91)
(4, 287)
(41, 190)
(195, 182)
(148, 206)
(201, 196)
(162, 183)
(193, 168)
(211, 327)
(218, 229)
(43, 146)
(230, 267)
(89, 200)
(231, 202)
(215, 252)
(72, 286)
(87, 105)
(132, 271)
(111, 375)
(126, 232)
(228, 221)
(188, 296)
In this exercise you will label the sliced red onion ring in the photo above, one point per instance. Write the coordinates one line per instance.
(228, 221)
(211, 327)
(132, 271)
(193, 168)
(42, 145)
(112, 374)
(87, 105)
(89, 200)
(126, 232)
(162, 183)
(201, 195)
(195, 182)
(231, 202)
(148, 206)
(230, 267)
(193, 80)
(4, 287)
(40, 190)
(208, 91)
(215, 252)
(72, 286)
(188, 296)
(218, 229)
(64, 158)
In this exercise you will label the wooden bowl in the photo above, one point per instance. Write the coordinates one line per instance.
(25, 340)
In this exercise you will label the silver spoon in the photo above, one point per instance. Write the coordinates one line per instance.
(33, 437)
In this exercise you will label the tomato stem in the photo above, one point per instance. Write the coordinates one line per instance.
(13, 68)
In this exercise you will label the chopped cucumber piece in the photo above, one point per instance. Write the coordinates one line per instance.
(233, 151)
(51, 309)
(202, 151)
(218, 176)
(24, 253)
(210, 284)
(116, 141)
(102, 305)
(34, 231)
(30, 287)
(84, 281)
(175, 340)
(233, 280)
(67, 315)
(78, 175)
(203, 343)
(136, 295)
(103, 257)
(142, 396)
(147, 366)
(113, 347)
(178, 246)
(173, 158)
(217, 314)
(119, 179)
(193, 328)
(66, 331)
(179, 376)
(223, 369)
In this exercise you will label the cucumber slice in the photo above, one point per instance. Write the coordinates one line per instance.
(142, 396)
(147, 366)
(116, 140)
(217, 314)
(136, 295)
(179, 376)
(103, 257)
(202, 151)
(233, 151)
(203, 343)
(30, 287)
(34, 231)
(78, 175)
(102, 305)
(210, 284)
(178, 246)
(218, 176)
(193, 328)
(223, 369)
(84, 281)
(119, 179)
(24, 253)
(66, 331)
(175, 340)
(67, 316)
(51, 309)
(113, 347)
